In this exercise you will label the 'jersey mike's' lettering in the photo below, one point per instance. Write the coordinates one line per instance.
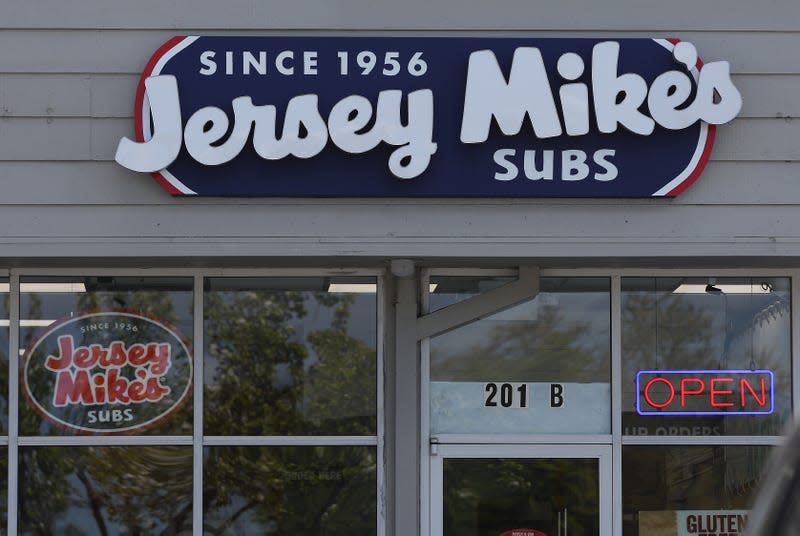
(617, 98)
(305, 132)
(427, 117)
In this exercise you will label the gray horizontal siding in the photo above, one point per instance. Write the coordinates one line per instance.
(108, 96)
(462, 221)
(68, 95)
(127, 52)
(68, 72)
(106, 183)
(66, 138)
(415, 14)
(565, 230)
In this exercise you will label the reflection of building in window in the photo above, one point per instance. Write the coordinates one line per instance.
(743, 469)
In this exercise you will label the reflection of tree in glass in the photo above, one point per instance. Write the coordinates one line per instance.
(486, 497)
(680, 477)
(44, 491)
(666, 331)
(547, 349)
(267, 382)
(289, 490)
(108, 490)
(157, 304)
(145, 489)
(3, 491)
(110, 486)
(679, 339)
(342, 384)
(256, 385)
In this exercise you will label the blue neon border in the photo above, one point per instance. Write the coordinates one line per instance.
(723, 413)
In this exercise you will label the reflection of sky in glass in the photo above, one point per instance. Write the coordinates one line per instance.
(568, 316)
(55, 305)
(585, 309)
(722, 331)
(453, 289)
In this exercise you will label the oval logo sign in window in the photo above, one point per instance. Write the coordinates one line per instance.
(107, 372)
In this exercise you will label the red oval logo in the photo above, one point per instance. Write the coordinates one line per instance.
(108, 372)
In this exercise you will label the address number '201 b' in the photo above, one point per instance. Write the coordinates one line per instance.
(518, 395)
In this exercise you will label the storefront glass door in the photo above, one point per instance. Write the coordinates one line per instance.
(520, 490)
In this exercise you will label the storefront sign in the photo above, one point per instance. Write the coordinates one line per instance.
(107, 372)
(693, 522)
(705, 392)
(361, 117)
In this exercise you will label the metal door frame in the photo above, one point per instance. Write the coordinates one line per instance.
(602, 453)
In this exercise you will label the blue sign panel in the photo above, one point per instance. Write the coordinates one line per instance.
(427, 117)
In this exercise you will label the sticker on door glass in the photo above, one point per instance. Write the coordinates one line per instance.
(110, 372)
(505, 395)
(523, 532)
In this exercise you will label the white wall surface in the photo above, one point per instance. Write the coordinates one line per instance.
(68, 71)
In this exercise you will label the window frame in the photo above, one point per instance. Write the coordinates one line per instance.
(13, 441)
(616, 439)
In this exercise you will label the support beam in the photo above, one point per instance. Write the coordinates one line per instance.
(525, 288)
(406, 421)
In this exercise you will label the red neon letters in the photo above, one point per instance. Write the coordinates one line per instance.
(705, 392)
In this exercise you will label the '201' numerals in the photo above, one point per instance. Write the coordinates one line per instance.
(505, 394)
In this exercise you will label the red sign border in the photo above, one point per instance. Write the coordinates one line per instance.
(42, 334)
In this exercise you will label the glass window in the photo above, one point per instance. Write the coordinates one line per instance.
(290, 356)
(290, 490)
(494, 496)
(688, 489)
(106, 355)
(706, 356)
(540, 367)
(4, 349)
(105, 490)
(447, 290)
(4, 490)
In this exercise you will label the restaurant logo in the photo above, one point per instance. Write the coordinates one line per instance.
(269, 116)
(107, 372)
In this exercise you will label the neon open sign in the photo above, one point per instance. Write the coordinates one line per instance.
(705, 392)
